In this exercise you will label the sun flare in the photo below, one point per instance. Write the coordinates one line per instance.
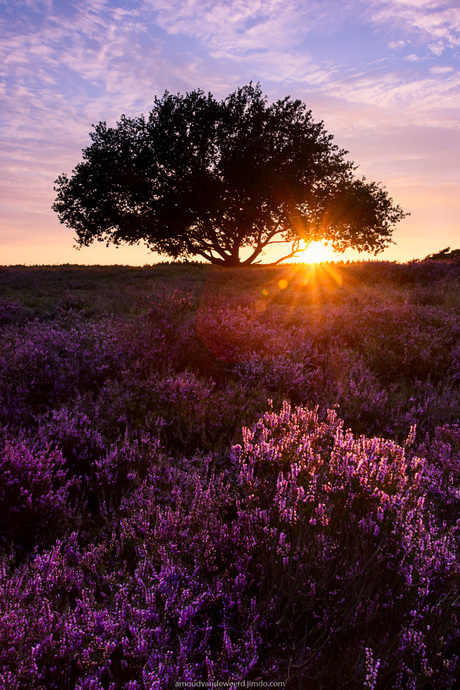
(315, 253)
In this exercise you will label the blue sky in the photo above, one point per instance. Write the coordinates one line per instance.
(383, 75)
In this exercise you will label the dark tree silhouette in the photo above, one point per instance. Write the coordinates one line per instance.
(446, 254)
(205, 178)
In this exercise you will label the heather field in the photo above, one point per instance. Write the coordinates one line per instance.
(234, 476)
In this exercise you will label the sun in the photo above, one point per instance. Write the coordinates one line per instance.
(315, 253)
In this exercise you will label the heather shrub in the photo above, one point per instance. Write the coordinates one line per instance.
(154, 345)
(76, 437)
(408, 343)
(123, 466)
(44, 365)
(425, 404)
(234, 332)
(396, 341)
(358, 393)
(442, 451)
(290, 376)
(132, 610)
(348, 539)
(188, 413)
(10, 312)
(71, 301)
(317, 557)
(104, 469)
(35, 495)
(166, 301)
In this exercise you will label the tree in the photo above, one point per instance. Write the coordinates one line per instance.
(446, 254)
(205, 178)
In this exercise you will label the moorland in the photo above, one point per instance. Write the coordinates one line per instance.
(230, 476)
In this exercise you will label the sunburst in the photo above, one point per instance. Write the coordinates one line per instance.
(316, 252)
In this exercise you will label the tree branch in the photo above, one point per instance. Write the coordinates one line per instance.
(214, 243)
(261, 245)
(295, 249)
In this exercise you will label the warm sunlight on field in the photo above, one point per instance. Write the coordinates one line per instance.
(316, 252)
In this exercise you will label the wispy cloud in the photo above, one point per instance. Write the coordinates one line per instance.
(417, 99)
(433, 23)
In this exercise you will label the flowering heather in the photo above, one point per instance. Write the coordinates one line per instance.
(350, 526)
(230, 476)
(43, 365)
(34, 495)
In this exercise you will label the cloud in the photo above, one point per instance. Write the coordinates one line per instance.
(242, 25)
(435, 24)
(439, 69)
(232, 28)
(430, 96)
(272, 36)
(282, 41)
(395, 45)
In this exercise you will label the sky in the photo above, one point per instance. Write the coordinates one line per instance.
(383, 75)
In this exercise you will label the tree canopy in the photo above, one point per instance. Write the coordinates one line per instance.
(199, 177)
